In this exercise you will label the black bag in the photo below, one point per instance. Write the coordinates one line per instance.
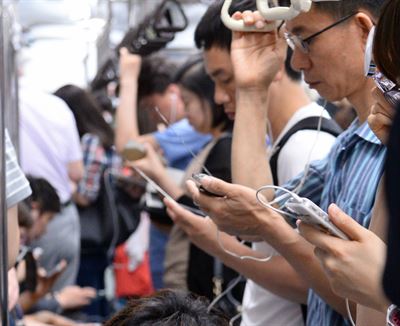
(110, 220)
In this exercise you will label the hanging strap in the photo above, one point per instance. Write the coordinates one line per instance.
(327, 125)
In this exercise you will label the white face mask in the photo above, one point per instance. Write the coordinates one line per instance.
(369, 66)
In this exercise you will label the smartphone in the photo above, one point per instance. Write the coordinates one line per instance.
(197, 179)
(310, 213)
(133, 151)
(164, 193)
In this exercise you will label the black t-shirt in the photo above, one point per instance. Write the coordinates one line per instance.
(201, 265)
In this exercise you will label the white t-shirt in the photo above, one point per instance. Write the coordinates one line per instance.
(260, 306)
(49, 139)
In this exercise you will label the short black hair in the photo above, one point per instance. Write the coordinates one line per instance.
(169, 308)
(44, 194)
(156, 74)
(338, 9)
(211, 31)
(193, 76)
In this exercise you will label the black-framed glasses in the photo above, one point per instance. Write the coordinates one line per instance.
(295, 41)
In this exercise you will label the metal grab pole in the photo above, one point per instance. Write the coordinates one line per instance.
(3, 210)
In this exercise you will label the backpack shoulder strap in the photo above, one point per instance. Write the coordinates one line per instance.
(327, 125)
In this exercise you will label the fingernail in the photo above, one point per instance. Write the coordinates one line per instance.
(260, 24)
(334, 209)
(298, 222)
(198, 176)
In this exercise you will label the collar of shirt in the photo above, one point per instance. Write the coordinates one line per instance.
(364, 131)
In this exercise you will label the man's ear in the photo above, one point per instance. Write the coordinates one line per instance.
(35, 205)
(174, 89)
(365, 23)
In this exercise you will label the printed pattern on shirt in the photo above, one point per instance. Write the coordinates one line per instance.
(95, 160)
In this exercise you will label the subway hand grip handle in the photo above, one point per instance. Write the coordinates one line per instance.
(238, 25)
(283, 13)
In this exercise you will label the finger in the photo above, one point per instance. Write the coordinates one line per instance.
(89, 292)
(316, 237)
(381, 100)
(216, 186)
(237, 15)
(259, 20)
(345, 223)
(248, 18)
(181, 215)
(193, 190)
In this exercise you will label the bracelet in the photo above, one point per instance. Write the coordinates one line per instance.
(393, 316)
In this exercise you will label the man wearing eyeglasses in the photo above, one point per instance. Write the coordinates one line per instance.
(329, 45)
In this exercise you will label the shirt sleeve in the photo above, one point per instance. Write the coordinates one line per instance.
(94, 162)
(17, 186)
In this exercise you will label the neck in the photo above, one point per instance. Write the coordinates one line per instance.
(216, 132)
(282, 106)
(363, 100)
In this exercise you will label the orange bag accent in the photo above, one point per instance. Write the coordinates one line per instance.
(136, 283)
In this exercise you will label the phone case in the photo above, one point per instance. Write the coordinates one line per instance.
(310, 213)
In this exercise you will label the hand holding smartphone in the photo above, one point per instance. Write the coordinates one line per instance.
(197, 177)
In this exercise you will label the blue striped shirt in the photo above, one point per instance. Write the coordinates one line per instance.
(349, 177)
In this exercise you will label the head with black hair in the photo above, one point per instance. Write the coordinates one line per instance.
(197, 91)
(41, 206)
(156, 88)
(215, 39)
(211, 31)
(87, 113)
(168, 308)
(338, 9)
(333, 35)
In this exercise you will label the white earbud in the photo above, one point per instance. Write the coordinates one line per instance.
(369, 67)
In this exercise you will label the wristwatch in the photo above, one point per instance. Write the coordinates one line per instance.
(393, 316)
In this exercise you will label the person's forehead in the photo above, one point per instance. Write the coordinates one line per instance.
(217, 61)
(308, 22)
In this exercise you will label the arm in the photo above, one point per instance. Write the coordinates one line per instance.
(127, 127)
(75, 171)
(152, 166)
(256, 59)
(276, 275)
(239, 213)
(12, 235)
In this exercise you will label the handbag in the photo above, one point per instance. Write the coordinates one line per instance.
(110, 220)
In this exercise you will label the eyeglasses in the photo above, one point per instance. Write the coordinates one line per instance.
(295, 41)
